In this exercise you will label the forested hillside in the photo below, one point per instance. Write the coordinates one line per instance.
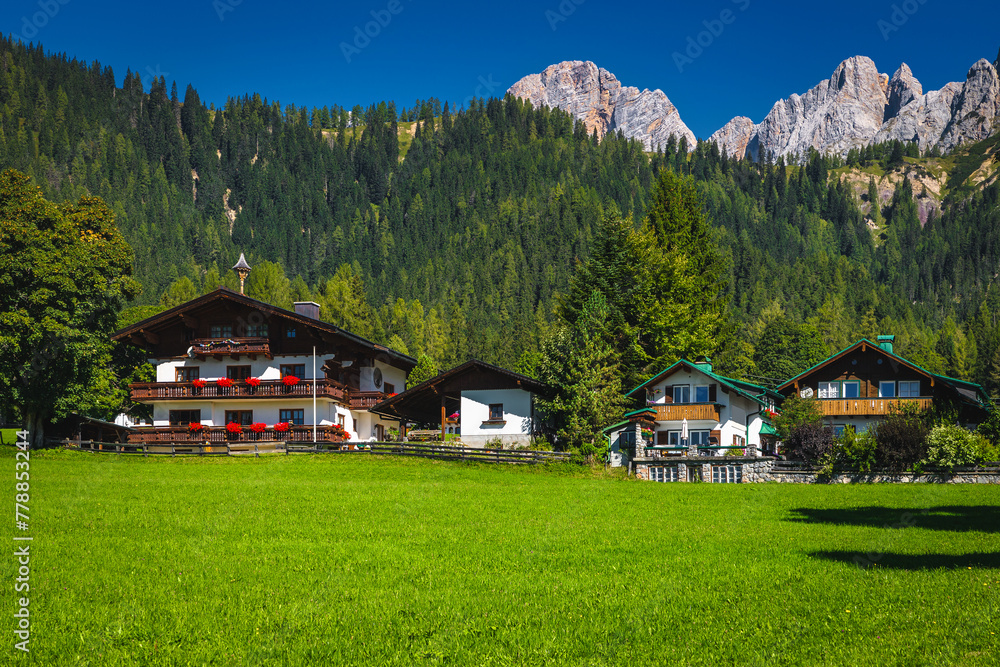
(459, 248)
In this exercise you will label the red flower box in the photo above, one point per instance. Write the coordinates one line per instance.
(258, 427)
(281, 427)
(194, 427)
(290, 380)
(198, 383)
(234, 428)
(224, 382)
(253, 382)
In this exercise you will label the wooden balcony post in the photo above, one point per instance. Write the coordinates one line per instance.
(443, 418)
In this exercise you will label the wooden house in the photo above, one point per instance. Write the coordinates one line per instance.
(493, 404)
(225, 359)
(866, 381)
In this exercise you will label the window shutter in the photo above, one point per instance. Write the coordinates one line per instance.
(712, 394)
(668, 393)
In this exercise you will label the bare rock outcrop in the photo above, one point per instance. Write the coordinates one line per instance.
(839, 114)
(903, 89)
(923, 120)
(974, 112)
(734, 137)
(595, 96)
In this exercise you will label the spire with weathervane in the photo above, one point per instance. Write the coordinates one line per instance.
(242, 269)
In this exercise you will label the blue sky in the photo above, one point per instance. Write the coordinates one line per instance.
(757, 53)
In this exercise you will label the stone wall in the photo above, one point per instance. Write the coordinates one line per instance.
(762, 469)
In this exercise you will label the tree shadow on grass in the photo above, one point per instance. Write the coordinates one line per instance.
(912, 562)
(983, 518)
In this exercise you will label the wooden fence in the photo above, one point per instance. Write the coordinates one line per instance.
(420, 450)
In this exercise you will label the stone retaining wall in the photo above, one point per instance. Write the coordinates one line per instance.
(748, 470)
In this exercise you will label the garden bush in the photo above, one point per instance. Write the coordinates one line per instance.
(901, 440)
(856, 450)
(807, 442)
(950, 446)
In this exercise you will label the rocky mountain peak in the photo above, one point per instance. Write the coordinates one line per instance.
(903, 89)
(596, 97)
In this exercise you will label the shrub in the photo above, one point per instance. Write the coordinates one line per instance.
(797, 412)
(950, 446)
(807, 442)
(856, 450)
(901, 440)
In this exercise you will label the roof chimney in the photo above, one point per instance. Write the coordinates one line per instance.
(885, 342)
(705, 364)
(307, 309)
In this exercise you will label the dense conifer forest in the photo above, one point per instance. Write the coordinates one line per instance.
(451, 233)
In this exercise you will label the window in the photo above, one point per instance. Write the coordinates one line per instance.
(296, 417)
(626, 440)
(496, 412)
(682, 393)
(909, 389)
(829, 390)
(290, 332)
(186, 374)
(727, 474)
(852, 389)
(701, 394)
(389, 388)
(241, 417)
(663, 473)
(298, 370)
(340, 420)
(838, 430)
(886, 389)
(184, 417)
(220, 331)
(237, 372)
(674, 438)
(699, 438)
(257, 330)
(738, 441)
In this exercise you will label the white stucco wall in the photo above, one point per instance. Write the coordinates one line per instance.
(476, 409)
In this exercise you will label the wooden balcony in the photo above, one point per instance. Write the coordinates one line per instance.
(690, 411)
(202, 348)
(171, 391)
(362, 400)
(165, 435)
(865, 407)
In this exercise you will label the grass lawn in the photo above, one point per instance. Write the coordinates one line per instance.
(348, 559)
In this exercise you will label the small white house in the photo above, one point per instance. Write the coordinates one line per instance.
(493, 405)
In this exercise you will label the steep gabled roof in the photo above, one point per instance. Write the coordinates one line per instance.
(748, 390)
(422, 402)
(968, 390)
(225, 294)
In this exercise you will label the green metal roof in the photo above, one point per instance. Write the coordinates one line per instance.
(739, 386)
(767, 429)
(983, 398)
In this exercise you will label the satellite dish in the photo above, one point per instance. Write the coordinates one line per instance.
(806, 392)
(190, 352)
(377, 378)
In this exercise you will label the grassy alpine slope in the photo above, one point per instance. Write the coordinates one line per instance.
(356, 560)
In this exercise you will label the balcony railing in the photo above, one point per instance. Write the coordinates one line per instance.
(152, 391)
(186, 391)
(164, 435)
(678, 411)
(234, 347)
(864, 407)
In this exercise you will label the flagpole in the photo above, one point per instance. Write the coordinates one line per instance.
(314, 394)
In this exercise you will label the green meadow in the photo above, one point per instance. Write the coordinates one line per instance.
(361, 560)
